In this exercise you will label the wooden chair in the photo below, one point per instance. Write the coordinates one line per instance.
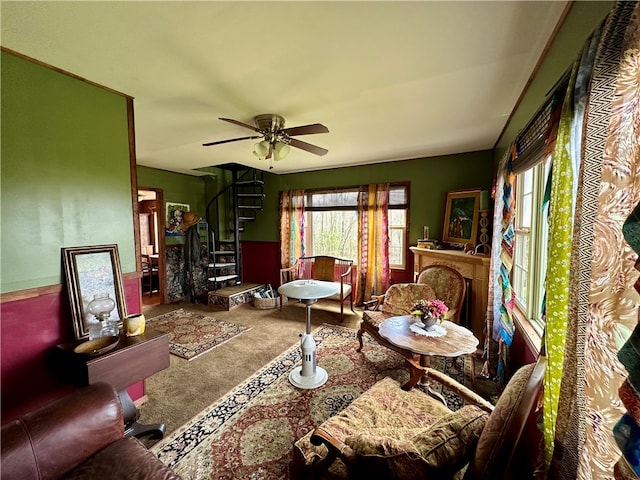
(325, 268)
(424, 439)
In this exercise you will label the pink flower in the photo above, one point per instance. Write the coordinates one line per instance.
(430, 308)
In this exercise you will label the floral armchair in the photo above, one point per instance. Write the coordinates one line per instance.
(398, 300)
(391, 433)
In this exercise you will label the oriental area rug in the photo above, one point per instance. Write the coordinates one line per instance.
(249, 433)
(192, 334)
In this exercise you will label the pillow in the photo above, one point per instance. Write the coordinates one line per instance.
(434, 452)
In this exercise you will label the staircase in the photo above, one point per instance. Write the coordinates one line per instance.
(227, 213)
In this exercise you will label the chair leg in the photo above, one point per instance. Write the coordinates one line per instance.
(359, 335)
(473, 370)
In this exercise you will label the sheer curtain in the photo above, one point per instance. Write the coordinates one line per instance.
(373, 245)
(291, 227)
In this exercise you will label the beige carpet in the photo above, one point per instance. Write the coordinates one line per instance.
(181, 391)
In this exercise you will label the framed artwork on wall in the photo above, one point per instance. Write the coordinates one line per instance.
(461, 217)
(175, 212)
(92, 272)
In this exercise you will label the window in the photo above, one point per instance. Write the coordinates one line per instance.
(530, 244)
(332, 223)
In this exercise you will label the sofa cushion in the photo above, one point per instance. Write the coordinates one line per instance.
(126, 459)
(346, 290)
(437, 451)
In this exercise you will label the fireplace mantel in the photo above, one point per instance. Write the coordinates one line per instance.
(475, 268)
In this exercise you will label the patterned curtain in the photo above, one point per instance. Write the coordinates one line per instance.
(291, 227)
(602, 311)
(373, 246)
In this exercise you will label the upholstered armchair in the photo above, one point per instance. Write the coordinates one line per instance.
(398, 300)
(449, 286)
(390, 433)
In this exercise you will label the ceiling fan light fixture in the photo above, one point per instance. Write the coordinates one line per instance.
(281, 150)
(261, 149)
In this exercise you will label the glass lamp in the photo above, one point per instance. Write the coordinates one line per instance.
(100, 307)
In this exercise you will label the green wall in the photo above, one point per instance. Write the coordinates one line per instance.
(583, 18)
(65, 177)
(177, 188)
(429, 178)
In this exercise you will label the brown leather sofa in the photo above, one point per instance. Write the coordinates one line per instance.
(80, 436)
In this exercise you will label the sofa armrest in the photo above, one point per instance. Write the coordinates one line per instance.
(469, 395)
(50, 441)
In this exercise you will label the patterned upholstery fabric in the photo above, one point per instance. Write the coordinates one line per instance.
(448, 285)
(501, 418)
(437, 451)
(398, 301)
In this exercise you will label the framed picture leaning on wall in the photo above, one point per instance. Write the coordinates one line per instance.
(461, 217)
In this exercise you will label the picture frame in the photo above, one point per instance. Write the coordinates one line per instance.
(91, 271)
(461, 214)
(175, 211)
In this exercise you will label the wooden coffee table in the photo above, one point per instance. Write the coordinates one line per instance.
(456, 342)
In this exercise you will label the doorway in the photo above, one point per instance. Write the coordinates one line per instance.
(152, 246)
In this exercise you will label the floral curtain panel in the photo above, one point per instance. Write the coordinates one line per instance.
(591, 303)
(291, 227)
(373, 247)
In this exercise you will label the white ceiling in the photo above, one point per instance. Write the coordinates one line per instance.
(391, 80)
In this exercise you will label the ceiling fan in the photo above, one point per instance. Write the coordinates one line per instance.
(276, 139)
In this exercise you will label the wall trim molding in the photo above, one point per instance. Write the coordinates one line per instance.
(49, 290)
(60, 70)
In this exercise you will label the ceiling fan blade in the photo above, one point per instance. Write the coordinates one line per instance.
(236, 122)
(231, 140)
(307, 146)
(306, 129)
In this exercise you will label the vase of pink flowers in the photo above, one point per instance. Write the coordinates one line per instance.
(429, 312)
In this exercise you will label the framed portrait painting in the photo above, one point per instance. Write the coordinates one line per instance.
(175, 212)
(461, 217)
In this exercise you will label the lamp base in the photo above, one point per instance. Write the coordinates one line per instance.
(307, 382)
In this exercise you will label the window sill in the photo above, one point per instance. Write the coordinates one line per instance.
(531, 337)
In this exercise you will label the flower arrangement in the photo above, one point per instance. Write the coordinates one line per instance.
(429, 308)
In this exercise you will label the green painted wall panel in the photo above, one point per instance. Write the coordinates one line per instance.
(583, 18)
(65, 176)
(177, 188)
(430, 179)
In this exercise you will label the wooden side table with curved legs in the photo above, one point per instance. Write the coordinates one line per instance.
(455, 342)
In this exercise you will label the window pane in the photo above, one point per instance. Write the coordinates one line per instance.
(334, 233)
(397, 237)
(334, 199)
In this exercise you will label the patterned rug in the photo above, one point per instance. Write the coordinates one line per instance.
(249, 433)
(193, 334)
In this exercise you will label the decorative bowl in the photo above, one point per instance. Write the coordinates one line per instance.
(98, 346)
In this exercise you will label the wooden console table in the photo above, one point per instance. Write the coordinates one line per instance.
(131, 361)
(472, 267)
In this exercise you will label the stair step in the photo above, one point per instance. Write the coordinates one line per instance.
(251, 207)
(250, 182)
(222, 265)
(224, 252)
(251, 195)
(246, 219)
(222, 278)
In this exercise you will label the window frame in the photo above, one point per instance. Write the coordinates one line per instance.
(400, 206)
(537, 246)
